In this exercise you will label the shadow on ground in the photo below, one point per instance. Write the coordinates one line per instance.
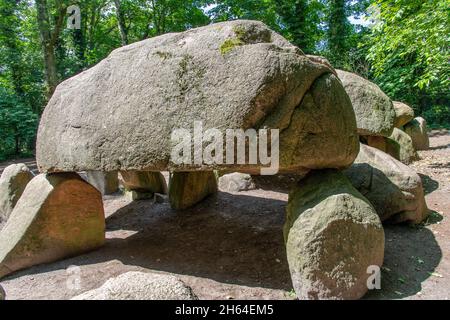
(429, 185)
(411, 256)
(232, 239)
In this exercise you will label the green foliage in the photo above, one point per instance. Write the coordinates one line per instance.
(408, 51)
(437, 116)
(17, 126)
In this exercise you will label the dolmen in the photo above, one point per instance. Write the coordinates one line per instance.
(197, 102)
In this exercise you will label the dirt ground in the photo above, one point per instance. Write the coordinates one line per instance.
(230, 246)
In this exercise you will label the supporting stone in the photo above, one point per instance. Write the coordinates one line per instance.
(58, 216)
(417, 130)
(13, 181)
(333, 235)
(407, 152)
(144, 181)
(386, 145)
(105, 182)
(188, 188)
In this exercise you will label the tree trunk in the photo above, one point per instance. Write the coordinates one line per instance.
(121, 23)
(49, 38)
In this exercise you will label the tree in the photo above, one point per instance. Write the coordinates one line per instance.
(408, 50)
(121, 23)
(301, 20)
(338, 32)
(49, 37)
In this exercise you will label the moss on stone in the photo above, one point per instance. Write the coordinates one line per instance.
(229, 44)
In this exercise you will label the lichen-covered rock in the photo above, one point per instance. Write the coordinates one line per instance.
(235, 182)
(333, 235)
(119, 114)
(144, 181)
(140, 286)
(188, 188)
(403, 114)
(384, 144)
(407, 152)
(105, 182)
(59, 215)
(374, 110)
(394, 189)
(417, 130)
(13, 181)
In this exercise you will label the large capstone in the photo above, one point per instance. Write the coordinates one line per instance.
(333, 238)
(403, 114)
(394, 189)
(13, 181)
(59, 215)
(121, 113)
(140, 286)
(374, 110)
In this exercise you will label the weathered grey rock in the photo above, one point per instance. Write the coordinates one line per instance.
(140, 286)
(417, 130)
(188, 188)
(236, 74)
(235, 182)
(394, 189)
(333, 235)
(138, 195)
(403, 114)
(105, 182)
(322, 60)
(58, 216)
(387, 145)
(407, 152)
(2, 293)
(13, 181)
(144, 181)
(374, 110)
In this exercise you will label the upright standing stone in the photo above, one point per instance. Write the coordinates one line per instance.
(144, 181)
(105, 182)
(13, 181)
(188, 188)
(407, 152)
(333, 235)
(58, 216)
(384, 144)
(417, 130)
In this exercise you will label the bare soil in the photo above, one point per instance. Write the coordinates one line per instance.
(230, 246)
